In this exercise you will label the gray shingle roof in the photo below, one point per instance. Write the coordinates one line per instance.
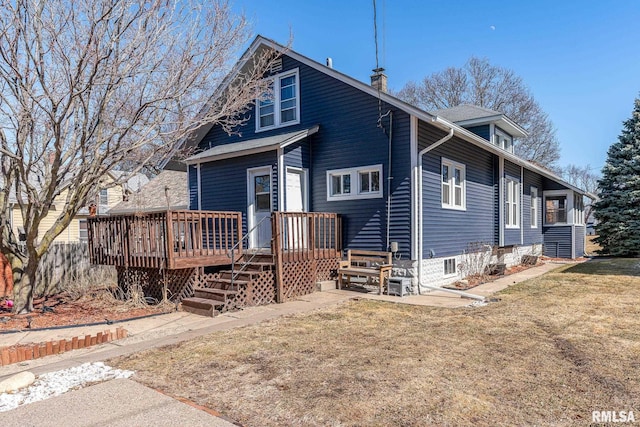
(169, 184)
(464, 112)
(256, 144)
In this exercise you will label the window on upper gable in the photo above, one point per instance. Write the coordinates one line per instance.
(453, 185)
(280, 106)
(503, 140)
(354, 183)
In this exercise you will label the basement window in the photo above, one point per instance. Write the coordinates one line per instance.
(449, 266)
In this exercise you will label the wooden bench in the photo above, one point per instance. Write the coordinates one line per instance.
(365, 263)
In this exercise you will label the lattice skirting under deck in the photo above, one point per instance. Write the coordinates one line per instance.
(151, 281)
(300, 277)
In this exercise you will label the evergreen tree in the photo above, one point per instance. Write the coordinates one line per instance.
(618, 210)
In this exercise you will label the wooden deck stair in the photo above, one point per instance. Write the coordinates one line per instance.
(221, 293)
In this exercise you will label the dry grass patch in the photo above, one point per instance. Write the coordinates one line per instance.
(550, 352)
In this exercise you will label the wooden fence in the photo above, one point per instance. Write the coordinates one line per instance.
(66, 267)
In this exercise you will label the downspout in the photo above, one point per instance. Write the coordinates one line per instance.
(421, 223)
(198, 185)
(389, 176)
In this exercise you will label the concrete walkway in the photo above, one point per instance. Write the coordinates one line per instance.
(158, 331)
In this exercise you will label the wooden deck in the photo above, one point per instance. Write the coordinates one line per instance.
(164, 240)
(164, 251)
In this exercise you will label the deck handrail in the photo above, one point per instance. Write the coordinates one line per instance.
(234, 247)
(164, 239)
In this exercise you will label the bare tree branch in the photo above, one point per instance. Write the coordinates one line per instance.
(480, 83)
(90, 85)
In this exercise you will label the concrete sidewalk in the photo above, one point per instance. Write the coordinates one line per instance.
(115, 403)
(105, 399)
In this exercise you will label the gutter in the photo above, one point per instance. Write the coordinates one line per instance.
(421, 220)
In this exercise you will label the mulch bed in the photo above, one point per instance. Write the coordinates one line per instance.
(474, 281)
(64, 310)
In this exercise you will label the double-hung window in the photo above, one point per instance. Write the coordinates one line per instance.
(556, 209)
(512, 203)
(534, 207)
(453, 185)
(503, 141)
(280, 105)
(578, 209)
(355, 183)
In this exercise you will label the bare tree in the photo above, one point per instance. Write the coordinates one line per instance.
(583, 177)
(480, 83)
(86, 85)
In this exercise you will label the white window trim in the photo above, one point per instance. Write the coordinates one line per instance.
(444, 269)
(276, 102)
(534, 209)
(568, 207)
(356, 192)
(578, 214)
(463, 179)
(500, 135)
(508, 194)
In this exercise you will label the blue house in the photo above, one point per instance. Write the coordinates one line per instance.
(421, 184)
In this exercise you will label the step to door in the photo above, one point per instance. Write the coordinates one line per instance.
(214, 294)
(201, 306)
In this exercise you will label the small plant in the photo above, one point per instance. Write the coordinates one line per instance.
(475, 260)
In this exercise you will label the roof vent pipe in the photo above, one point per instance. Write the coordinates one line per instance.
(329, 62)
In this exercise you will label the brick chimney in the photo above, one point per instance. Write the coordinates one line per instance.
(379, 80)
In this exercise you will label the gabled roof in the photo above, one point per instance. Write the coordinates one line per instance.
(251, 146)
(437, 120)
(468, 115)
(133, 183)
(168, 190)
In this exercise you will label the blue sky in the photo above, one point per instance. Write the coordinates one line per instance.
(580, 59)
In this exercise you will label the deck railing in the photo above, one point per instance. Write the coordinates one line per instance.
(300, 236)
(168, 239)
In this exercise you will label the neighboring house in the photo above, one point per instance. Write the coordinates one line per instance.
(77, 229)
(167, 191)
(425, 183)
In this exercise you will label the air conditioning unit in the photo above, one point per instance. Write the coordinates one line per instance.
(399, 286)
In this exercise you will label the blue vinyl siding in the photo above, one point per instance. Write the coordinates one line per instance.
(531, 235)
(552, 185)
(512, 236)
(447, 231)
(193, 188)
(579, 238)
(224, 183)
(298, 155)
(483, 131)
(348, 137)
(557, 241)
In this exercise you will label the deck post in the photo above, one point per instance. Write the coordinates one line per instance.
(169, 242)
(277, 253)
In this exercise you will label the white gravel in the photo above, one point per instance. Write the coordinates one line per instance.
(59, 382)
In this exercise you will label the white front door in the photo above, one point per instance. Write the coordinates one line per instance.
(259, 206)
(296, 201)
(296, 191)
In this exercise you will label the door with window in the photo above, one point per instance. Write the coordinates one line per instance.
(296, 201)
(259, 207)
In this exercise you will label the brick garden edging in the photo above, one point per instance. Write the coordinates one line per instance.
(20, 353)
